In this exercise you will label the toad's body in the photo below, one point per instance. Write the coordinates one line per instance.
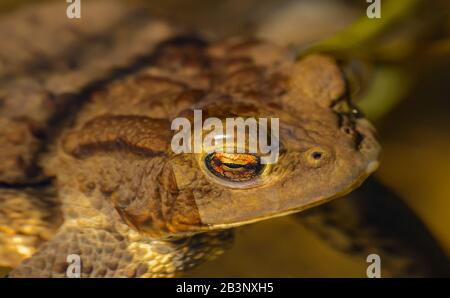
(132, 207)
(121, 185)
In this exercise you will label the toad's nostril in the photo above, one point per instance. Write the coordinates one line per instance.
(347, 130)
(316, 155)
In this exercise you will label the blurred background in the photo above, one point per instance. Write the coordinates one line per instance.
(407, 95)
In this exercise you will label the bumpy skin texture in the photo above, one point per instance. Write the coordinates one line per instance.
(118, 178)
(125, 131)
(109, 253)
(131, 206)
(48, 60)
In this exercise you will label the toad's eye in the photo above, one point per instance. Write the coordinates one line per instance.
(234, 167)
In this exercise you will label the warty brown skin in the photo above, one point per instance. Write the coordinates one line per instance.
(132, 207)
(47, 61)
(118, 176)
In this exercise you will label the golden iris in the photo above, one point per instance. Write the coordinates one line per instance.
(236, 167)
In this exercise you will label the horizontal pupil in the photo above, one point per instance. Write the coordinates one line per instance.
(233, 165)
(236, 166)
